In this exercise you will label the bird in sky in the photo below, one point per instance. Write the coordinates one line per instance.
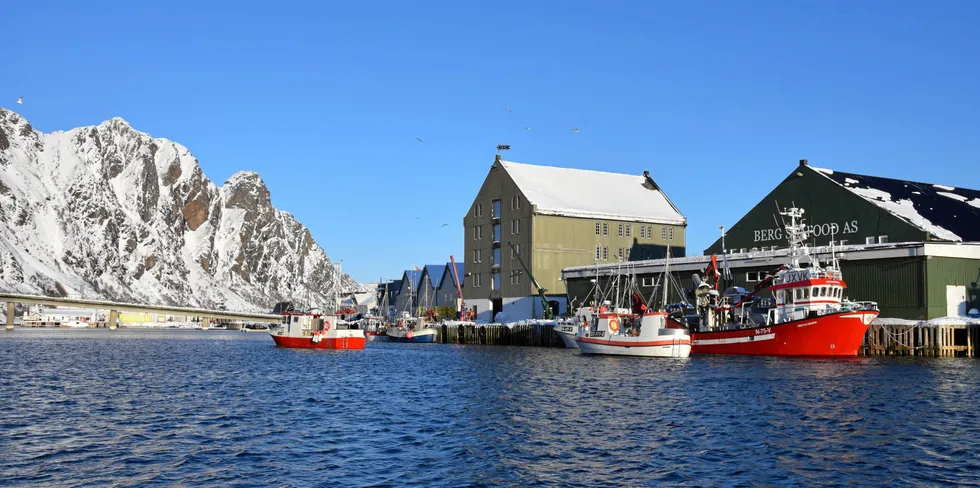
(445, 225)
(508, 109)
(20, 100)
(527, 128)
(574, 130)
(420, 140)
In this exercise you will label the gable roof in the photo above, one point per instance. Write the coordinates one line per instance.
(592, 194)
(434, 272)
(410, 278)
(459, 273)
(945, 212)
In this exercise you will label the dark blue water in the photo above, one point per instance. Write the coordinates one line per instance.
(138, 408)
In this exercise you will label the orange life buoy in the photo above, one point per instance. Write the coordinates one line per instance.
(613, 326)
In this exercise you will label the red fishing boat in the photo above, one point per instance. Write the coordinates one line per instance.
(808, 315)
(316, 330)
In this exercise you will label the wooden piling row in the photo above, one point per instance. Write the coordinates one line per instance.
(534, 335)
(956, 340)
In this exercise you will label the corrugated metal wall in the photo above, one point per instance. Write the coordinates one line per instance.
(897, 284)
(947, 271)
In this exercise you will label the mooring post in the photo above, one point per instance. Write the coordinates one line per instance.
(10, 315)
(113, 317)
(204, 323)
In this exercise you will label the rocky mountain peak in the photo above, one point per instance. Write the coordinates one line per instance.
(112, 211)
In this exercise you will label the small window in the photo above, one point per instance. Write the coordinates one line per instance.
(597, 231)
(806, 293)
(752, 276)
(479, 255)
(598, 251)
(663, 233)
(649, 232)
(474, 232)
(295, 319)
(605, 229)
(515, 202)
(884, 239)
(620, 230)
(629, 230)
(643, 232)
(671, 238)
(621, 253)
(605, 253)
(647, 281)
(515, 251)
(479, 232)
(869, 240)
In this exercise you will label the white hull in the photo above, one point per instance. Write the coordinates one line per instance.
(624, 349)
(567, 334)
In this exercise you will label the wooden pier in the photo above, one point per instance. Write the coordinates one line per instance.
(921, 339)
(535, 335)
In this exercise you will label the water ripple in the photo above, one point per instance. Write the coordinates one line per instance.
(138, 408)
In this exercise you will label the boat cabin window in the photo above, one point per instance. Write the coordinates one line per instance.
(285, 319)
(295, 319)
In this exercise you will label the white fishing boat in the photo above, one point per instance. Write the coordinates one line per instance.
(621, 332)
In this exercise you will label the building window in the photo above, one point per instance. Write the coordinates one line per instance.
(496, 232)
(496, 257)
(663, 232)
(598, 250)
(515, 277)
(869, 240)
(605, 253)
(515, 227)
(496, 210)
(621, 253)
(671, 238)
(752, 276)
(842, 242)
(643, 232)
(648, 281)
(742, 250)
(476, 280)
(478, 210)
(629, 230)
(477, 256)
(605, 229)
(515, 202)
(620, 230)
(495, 285)
(883, 239)
(649, 232)
(597, 232)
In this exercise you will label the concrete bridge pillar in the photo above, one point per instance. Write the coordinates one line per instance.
(204, 323)
(10, 315)
(113, 318)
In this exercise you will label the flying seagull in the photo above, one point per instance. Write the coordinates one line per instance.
(20, 100)
(508, 109)
(527, 128)
(444, 225)
(420, 140)
(574, 130)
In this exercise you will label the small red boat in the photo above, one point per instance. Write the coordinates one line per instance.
(316, 330)
(809, 315)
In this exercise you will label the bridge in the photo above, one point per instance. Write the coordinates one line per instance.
(115, 307)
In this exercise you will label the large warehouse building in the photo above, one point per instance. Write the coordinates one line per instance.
(551, 218)
(911, 247)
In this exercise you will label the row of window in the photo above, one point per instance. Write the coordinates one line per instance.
(626, 230)
(515, 229)
(817, 293)
(515, 204)
(495, 256)
(602, 253)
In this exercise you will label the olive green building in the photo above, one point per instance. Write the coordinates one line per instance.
(552, 218)
(909, 246)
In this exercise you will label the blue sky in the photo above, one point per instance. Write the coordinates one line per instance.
(719, 100)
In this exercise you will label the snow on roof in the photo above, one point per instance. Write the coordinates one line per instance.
(946, 212)
(592, 194)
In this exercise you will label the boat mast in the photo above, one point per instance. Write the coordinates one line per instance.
(666, 277)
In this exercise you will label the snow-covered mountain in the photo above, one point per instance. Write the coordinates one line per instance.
(108, 211)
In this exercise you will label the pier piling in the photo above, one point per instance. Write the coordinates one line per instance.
(10, 316)
(920, 339)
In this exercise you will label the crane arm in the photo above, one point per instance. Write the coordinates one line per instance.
(541, 291)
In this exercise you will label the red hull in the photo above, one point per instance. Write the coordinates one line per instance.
(325, 343)
(839, 334)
